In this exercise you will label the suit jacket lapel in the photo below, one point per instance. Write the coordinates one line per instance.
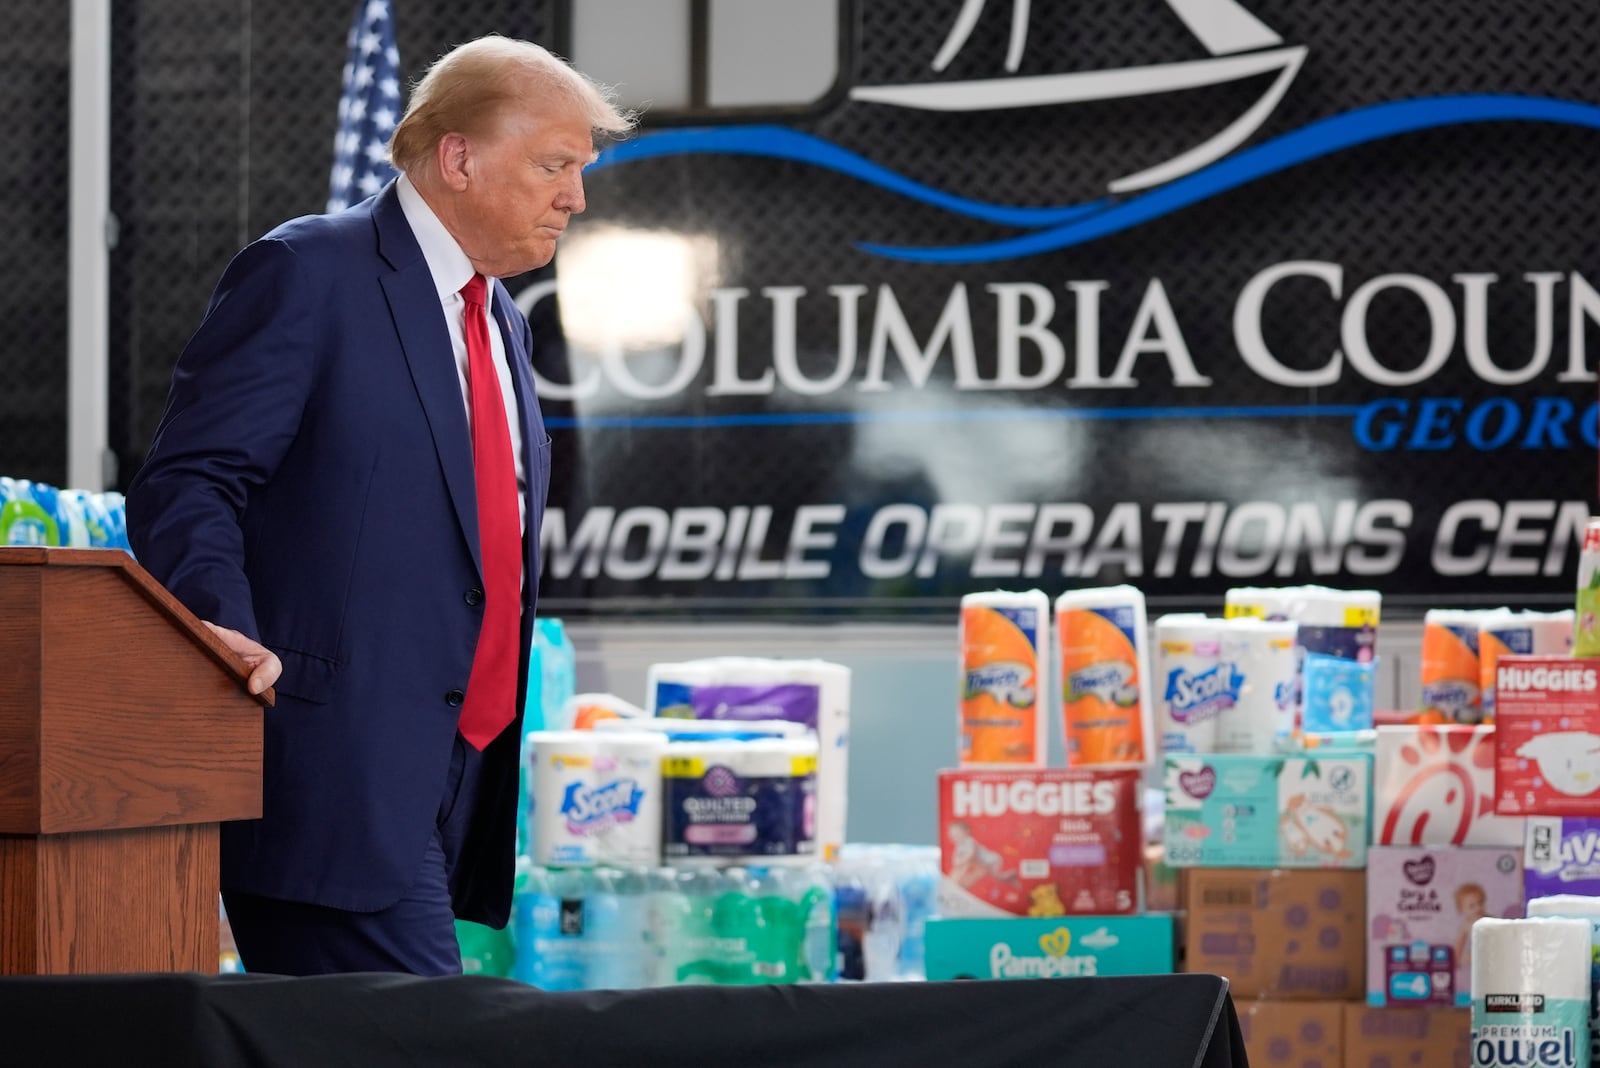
(419, 320)
(532, 425)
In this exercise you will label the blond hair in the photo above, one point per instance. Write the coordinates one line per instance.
(470, 87)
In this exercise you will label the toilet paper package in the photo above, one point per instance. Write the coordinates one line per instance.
(1421, 904)
(812, 693)
(1434, 785)
(1262, 719)
(1005, 665)
(1561, 856)
(1039, 842)
(1580, 908)
(1547, 713)
(1105, 676)
(1194, 686)
(739, 799)
(1236, 810)
(596, 798)
(1451, 677)
(1530, 992)
(1519, 634)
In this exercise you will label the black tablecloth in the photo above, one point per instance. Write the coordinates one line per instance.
(1176, 1021)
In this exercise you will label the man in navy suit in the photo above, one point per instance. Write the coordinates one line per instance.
(333, 491)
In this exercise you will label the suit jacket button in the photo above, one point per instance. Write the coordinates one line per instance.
(454, 698)
(474, 596)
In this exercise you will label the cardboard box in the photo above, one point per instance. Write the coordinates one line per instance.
(1434, 785)
(1240, 810)
(1292, 1034)
(1296, 935)
(1561, 856)
(1407, 1038)
(1039, 842)
(1017, 948)
(1421, 904)
(1547, 712)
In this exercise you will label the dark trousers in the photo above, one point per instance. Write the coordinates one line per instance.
(416, 934)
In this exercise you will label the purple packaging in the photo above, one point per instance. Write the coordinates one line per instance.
(1561, 855)
(792, 701)
(1421, 904)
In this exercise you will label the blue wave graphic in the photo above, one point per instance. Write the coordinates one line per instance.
(1067, 225)
(778, 143)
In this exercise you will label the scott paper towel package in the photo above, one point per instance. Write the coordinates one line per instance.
(1547, 713)
(1561, 856)
(1234, 810)
(732, 799)
(1433, 784)
(1039, 842)
(1105, 676)
(812, 693)
(596, 799)
(1519, 634)
(1048, 948)
(1530, 992)
(1421, 905)
(1005, 666)
(1587, 909)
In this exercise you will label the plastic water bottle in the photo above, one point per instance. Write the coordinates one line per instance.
(851, 912)
(550, 950)
(23, 519)
(667, 927)
(616, 916)
(777, 931)
(885, 925)
(820, 948)
(919, 888)
(699, 960)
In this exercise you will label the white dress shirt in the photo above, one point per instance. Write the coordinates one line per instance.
(451, 270)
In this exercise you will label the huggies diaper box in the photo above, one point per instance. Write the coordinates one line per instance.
(1421, 905)
(1039, 842)
(1237, 810)
(1050, 948)
(1547, 712)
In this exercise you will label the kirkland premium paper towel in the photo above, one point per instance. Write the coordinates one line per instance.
(1530, 993)
(1576, 907)
(1105, 676)
(1005, 664)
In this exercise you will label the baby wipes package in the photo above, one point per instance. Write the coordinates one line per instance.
(1421, 904)
(1547, 713)
(1240, 810)
(1039, 842)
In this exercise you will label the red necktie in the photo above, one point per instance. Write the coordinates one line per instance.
(490, 705)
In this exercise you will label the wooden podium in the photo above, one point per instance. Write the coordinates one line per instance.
(126, 734)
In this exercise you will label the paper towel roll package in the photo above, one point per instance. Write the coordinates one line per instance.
(1451, 674)
(596, 798)
(1005, 671)
(812, 693)
(1518, 634)
(730, 800)
(1262, 719)
(1193, 685)
(1530, 992)
(1105, 676)
(1578, 907)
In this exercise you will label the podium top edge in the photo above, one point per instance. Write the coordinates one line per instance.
(49, 554)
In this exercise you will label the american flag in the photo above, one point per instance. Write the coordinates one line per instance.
(369, 108)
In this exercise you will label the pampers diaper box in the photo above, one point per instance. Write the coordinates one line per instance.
(1421, 905)
(1039, 842)
(1547, 712)
(1049, 948)
(1245, 811)
(1561, 856)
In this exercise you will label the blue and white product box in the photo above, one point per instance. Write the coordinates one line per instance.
(1561, 855)
(1050, 947)
(1248, 811)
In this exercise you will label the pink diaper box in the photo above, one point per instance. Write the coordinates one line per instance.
(1434, 785)
(1421, 904)
(1547, 710)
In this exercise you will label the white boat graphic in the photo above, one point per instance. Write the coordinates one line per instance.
(1241, 46)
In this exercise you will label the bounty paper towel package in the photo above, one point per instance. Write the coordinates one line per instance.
(1547, 713)
(1049, 948)
(1561, 856)
(1234, 810)
(1434, 785)
(1005, 663)
(1421, 904)
(1451, 678)
(1039, 842)
(1530, 992)
(1105, 676)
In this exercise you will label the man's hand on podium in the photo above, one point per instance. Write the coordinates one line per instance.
(265, 667)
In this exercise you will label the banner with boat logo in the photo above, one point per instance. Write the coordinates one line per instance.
(1183, 293)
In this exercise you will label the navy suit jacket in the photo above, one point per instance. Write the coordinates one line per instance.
(311, 485)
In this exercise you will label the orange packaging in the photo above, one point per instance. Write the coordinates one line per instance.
(1105, 696)
(1451, 674)
(1003, 669)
